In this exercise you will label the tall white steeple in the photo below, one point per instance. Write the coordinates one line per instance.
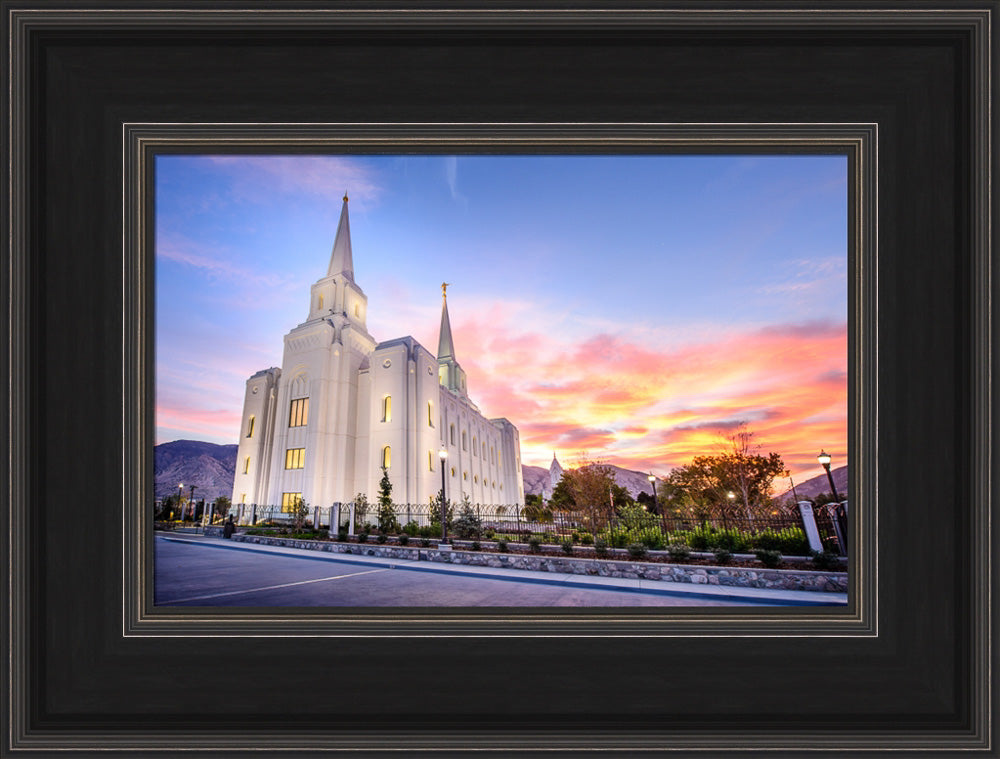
(451, 375)
(341, 258)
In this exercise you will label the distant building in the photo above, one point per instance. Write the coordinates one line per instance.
(343, 405)
(555, 474)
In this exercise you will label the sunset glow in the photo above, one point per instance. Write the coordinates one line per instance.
(632, 308)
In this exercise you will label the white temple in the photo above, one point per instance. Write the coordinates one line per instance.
(343, 405)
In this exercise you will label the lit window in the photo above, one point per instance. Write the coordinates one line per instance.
(453, 471)
(298, 413)
(289, 501)
(243, 498)
(465, 475)
(250, 422)
(320, 306)
(386, 457)
(295, 458)
(465, 441)
(430, 414)
(476, 479)
(246, 465)
(387, 409)
(357, 310)
(473, 445)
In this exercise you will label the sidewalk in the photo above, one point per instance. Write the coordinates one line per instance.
(752, 595)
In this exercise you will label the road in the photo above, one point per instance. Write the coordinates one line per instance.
(210, 572)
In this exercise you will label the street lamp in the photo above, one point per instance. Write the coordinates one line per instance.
(443, 454)
(192, 501)
(652, 484)
(825, 459)
(180, 487)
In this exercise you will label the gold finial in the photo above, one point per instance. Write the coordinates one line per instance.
(444, 290)
(345, 196)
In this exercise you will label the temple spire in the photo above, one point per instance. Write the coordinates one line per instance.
(446, 347)
(450, 374)
(341, 258)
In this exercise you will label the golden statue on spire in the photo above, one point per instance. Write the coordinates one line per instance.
(444, 289)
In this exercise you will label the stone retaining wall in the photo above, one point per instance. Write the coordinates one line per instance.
(781, 579)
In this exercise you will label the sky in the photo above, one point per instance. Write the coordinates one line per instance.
(626, 309)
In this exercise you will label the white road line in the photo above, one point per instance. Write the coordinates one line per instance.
(271, 587)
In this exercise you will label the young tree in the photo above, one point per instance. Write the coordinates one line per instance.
(387, 521)
(361, 509)
(298, 509)
(222, 504)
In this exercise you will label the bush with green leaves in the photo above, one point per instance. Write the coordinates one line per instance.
(381, 537)
(567, 546)
(363, 536)
(637, 550)
(476, 546)
(411, 528)
(535, 544)
(679, 552)
(723, 555)
(768, 557)
(502, 546)
(789, 540)
(586, 539)
(342, 536)
(601, 547)
(404, 539)
(826, 560)
(425, 542)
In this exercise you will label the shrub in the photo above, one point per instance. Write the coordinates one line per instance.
(601, 547)
(468, 524)
(411, 529)
(723, 555)
(586, 538)
(535, 544)
(825, 560)
(425, 542)
(363, 537)
(575, 536)
(637, 550)
(381, 537)
(342, 536)
(502, 546)
(428, 532)
(567, 546)
(404, 539)
(790, 540)
(768, 557)
(679, 551)
(475, 545)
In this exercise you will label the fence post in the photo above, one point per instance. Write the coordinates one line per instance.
(253, 515)
(840, 522)
(809, 525)
(315, 517)
(350, 528)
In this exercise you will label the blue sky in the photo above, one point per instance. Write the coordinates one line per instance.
(611, 304)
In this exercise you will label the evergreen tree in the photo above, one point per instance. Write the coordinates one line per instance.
(386, 511)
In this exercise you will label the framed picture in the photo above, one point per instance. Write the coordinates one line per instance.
(100, 98)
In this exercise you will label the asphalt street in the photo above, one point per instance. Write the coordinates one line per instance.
(193, 571)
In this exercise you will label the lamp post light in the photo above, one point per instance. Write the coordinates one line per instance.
(180, 487)
(788, 474)
(825, 459)
(652, 484)
(443, 454)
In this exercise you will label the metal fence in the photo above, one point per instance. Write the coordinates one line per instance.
(704, 529)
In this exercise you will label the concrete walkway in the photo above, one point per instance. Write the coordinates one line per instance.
(718, 592)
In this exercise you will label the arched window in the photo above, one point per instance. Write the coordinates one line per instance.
(246, 465)
(473, 445)
(430, 414)
(452, 431)
(387, 409)
(484, 449)
(430, 460)
(319, 307)
(250, 422)
(386, 457)
(453, 471)
(465, 441)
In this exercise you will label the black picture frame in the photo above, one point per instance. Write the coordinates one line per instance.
(908, 669)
